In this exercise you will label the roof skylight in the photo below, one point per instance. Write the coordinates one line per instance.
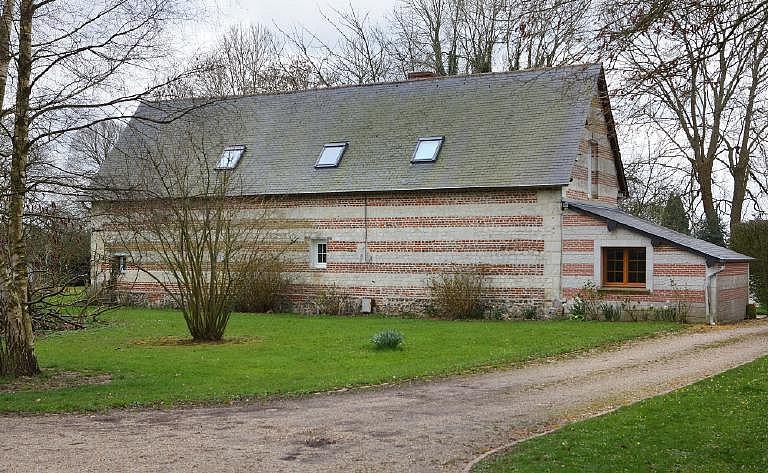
(230, 157)
(331, 155)
(427, 149)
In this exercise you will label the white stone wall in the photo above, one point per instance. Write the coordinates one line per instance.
(673, 274)
(388, 247)
(731, 292)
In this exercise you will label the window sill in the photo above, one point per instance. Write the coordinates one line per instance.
(624, 290)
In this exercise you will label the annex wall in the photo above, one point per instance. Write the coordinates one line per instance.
(673, 275)
(732, 292)
(388, 247)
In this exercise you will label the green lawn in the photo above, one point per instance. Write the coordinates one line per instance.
(292, 354)
(718, 425)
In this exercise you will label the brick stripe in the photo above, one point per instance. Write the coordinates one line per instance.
(679, 269)
(396, 199)
(419, 268)
(302, 291)
(735, 269)
(385, 222)
(408, 199)
(340, 246)
(655, 296)
(579, 173)
(732, 294)
(578, 269)
(581, 220)
(578, 246)
(668, 249)
(603, 179)
(581, 195)
(417, 222)
(454, 246)
(418, 292)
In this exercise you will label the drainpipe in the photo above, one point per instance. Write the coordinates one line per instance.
(707, 296)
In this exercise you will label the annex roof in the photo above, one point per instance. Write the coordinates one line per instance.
(514, 129)
(709, 250)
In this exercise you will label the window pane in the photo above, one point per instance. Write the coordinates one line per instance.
(637, 265)
(330, 156)
(593, 170)
(614, 265)
(322, 252)
(426, 150)
(230, 157)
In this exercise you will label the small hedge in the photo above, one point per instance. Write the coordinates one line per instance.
(751, 239)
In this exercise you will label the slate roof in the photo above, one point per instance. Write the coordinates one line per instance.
(515, 129)
(618, 216)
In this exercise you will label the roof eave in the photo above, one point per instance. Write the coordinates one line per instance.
(656, 239)
(602, 88)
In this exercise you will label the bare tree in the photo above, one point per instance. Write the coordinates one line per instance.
(432, 28)
(89, 148)
(185, 226)
(361, 54)
(698, 76)
(482, 30)
(73, 64)
(245, 60)
(546, 33)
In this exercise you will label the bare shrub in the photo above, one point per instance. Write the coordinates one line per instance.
(262, 285)
(610, 312)
(586, 304)
(458, 295)
(682, 308)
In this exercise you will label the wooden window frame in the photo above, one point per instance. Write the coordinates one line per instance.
(625, 268)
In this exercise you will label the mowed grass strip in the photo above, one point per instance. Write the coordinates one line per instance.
(718, 425)
(285, 354)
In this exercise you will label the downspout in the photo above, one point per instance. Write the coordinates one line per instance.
(365, 224)
(560, 298)
(707, 296)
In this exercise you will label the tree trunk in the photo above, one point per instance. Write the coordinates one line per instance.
(740, 177)
(6, 23)
(20, 343)
(703, 171)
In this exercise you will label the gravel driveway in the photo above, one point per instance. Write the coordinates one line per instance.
(423, 426)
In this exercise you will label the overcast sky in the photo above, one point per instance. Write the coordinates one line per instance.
(217, 15)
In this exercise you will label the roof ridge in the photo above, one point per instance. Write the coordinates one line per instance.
(583, 66)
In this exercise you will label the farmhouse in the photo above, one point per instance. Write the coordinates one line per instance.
(381, 187)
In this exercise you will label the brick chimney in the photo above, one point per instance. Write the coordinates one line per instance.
(416, 75)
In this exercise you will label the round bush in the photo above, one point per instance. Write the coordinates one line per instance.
(387, 339)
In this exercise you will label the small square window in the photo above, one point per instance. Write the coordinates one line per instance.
(331, 155)
(230, 157)
(427, 149)
(119, 263)
(319, 253)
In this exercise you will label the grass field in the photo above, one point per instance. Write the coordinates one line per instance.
(719, 425)
(282, 354)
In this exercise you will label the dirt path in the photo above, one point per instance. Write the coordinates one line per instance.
(429, 426)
